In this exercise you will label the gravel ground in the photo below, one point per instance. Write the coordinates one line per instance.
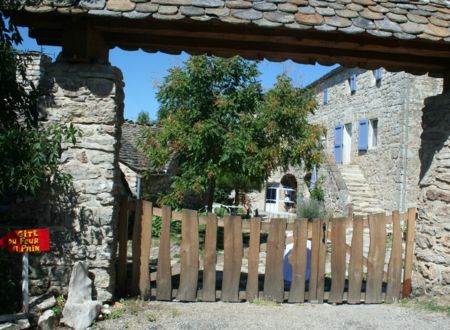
(262, 315)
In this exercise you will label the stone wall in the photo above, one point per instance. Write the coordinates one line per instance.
(83, 220)
(396, 101)
(337, 198)
(432, 251)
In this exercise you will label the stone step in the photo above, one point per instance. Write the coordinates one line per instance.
(362, 196)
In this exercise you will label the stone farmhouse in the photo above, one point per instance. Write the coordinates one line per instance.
(371, 122)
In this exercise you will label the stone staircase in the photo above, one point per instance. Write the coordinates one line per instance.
(363, 198)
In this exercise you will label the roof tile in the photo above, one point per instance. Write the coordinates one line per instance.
(120, 5)
(309, 19)
(338, 21)
(369, 14)
(401, 19)
(417, 18)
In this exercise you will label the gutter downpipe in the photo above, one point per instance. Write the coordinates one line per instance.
(404, 151)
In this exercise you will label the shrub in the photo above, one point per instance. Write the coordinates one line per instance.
(311, 209)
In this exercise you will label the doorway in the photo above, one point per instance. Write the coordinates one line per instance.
(347, 143)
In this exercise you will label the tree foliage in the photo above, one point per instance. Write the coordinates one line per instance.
(219, 127)
(29, 153)
(143, 118)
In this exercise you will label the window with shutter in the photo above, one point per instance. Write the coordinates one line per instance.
(363, 135)
(338, 143)
(373, 134)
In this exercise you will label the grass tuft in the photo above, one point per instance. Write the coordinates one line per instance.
(426, 304)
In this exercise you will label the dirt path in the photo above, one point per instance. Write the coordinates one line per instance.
(262, 315)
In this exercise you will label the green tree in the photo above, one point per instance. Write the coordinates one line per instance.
(29, 152)
(217, 125)
(143, 118)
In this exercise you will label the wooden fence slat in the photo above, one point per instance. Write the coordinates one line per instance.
(136, 248)
(298, 260)
(164, 272)
(338, 260)
(146, 244)
(322, 260)
(123, 246)
(355, 269)
(377, 252)
(253, 259)
(233, 252)
(315, 248)
(411, 231)
(395, 262)
(274, 280)
(209, 272)
(189, 249)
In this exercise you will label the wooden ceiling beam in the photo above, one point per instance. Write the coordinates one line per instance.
(251, 41)
(260, 50)
(299, 38)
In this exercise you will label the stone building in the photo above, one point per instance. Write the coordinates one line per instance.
(132, 162)
(138, 177)
(372, 125)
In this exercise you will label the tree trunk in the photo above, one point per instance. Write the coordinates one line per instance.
(236, 196)
(210, 194)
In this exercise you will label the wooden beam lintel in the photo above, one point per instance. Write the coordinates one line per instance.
(303, 55)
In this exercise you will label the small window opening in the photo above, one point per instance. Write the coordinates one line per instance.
(373, 133)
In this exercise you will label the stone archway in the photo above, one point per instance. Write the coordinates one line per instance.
(290, 188)
(414, 37)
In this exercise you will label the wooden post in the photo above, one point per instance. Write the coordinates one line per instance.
(298, 260)
(164, 272)
(210, 259)
(338, 259)
(25, 283)
(376, 257)
(83, 43)
(273, 279)
(410, 233)
(189, 249)
(123, 246)
(253, 259)
(232, 255)
(322, 261)
(395, 262)
(136, 247)
(355, 269)
(146, 243)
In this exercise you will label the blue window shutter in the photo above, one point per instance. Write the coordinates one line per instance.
(363, 139)
(325, 95)
(353, 83)
(338, 143)
(377, 74)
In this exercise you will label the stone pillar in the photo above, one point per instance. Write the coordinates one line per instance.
(432, 250)
(83, 222)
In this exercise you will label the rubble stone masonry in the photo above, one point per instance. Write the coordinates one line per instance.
(432, 250)
(83, 220)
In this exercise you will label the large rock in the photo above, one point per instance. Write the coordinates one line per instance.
(80, 310)
(40, 304)
(47, 321)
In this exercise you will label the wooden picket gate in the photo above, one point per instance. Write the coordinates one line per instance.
(354, 277)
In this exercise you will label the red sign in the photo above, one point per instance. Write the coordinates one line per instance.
(27, 240)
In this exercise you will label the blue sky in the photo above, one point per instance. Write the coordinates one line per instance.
(143, 71)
